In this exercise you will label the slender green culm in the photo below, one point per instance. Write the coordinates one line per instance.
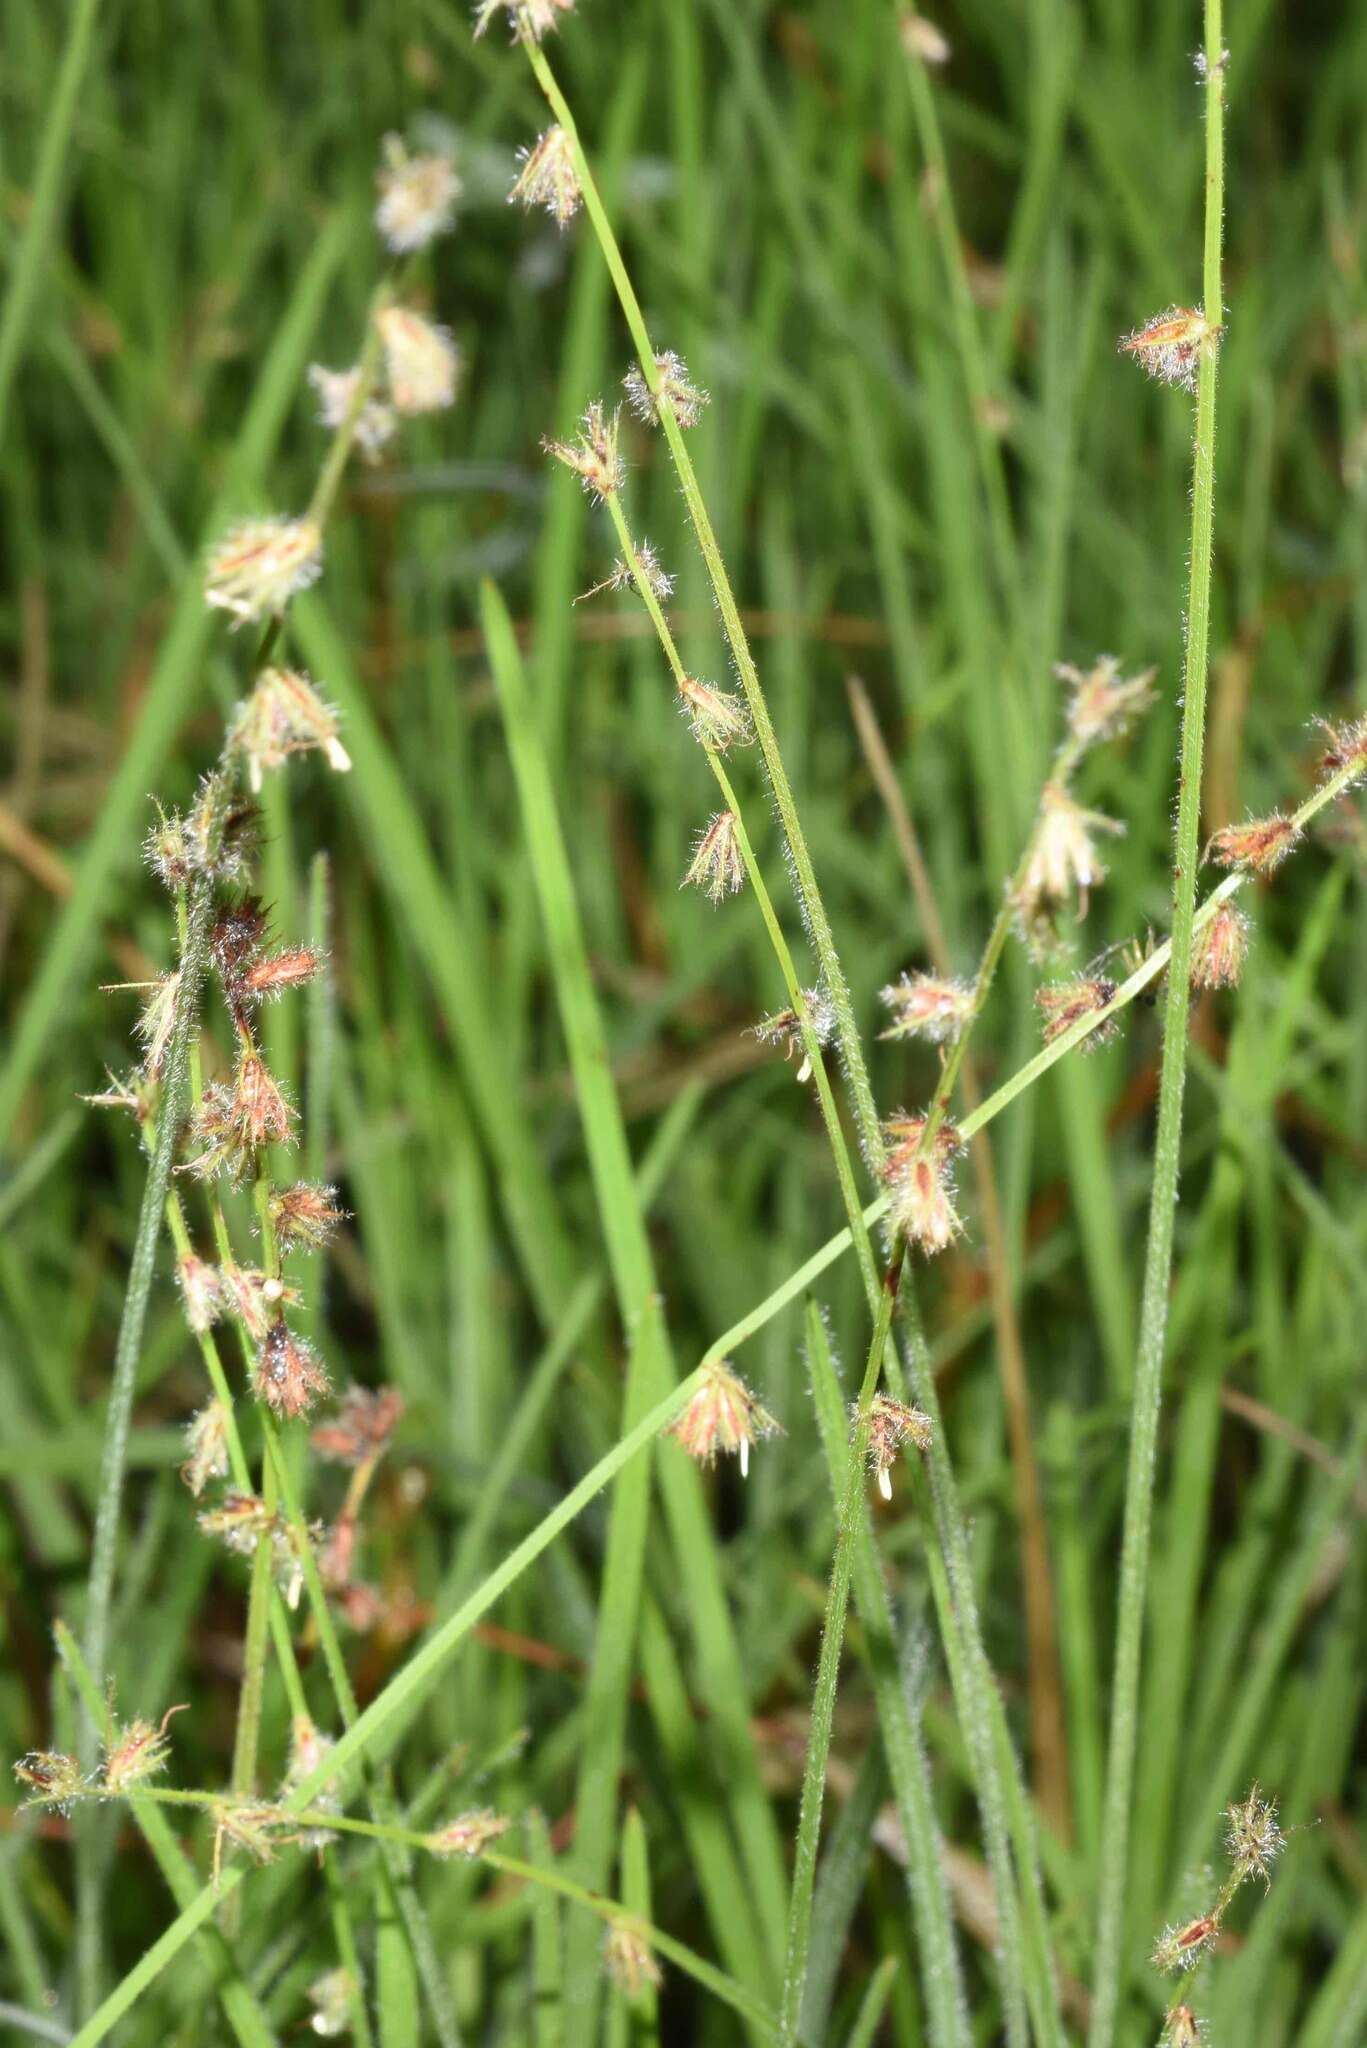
(1109, 1961)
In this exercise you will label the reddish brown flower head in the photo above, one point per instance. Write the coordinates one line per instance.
(921, 1207)
(293, 967)
(593, 456)
(239, 1521)
(237, 937)
(1217, 958)
(136, 1752)
(1169, 347)
(547, 177)
(1066, 1003)
(1062, 862)
(1183, 2028)
(157, 1021)
(284, 715)
(723, 1415)
(927, 1006)
(469, 1834)
(1261, 844)
(259, 1109)
(305, 1215)
(717, 718)
(254, 1297)
(289, 1374)
(673, 392)
(206, 1443)
(201, 1292)
(903, 1135)
(784, 1028)
(1177, 1948)
(1103, 703)
(892, 1424)
(362, 1428)
(422, 362)
(257, 568)
(1253, 1837)
(1345, 747)
(53, 1778)
(629, 1960)
(717, 866)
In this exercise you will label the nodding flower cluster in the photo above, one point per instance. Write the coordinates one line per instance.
(1253, 1842)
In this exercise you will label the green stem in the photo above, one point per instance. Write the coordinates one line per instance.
(1108, 1970)
(797, 999)
(113, 1463)
(809, 895)
(828, 1668)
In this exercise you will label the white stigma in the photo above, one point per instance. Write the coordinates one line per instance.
(885, 1484)
(744, 1458)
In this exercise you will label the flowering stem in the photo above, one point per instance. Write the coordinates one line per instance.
(828, 1669)
(811, 1044)
(368, 372)
(1108, 1965)
(193, 956)
(809, 895)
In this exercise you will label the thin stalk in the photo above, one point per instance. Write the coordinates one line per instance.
(828, 1668)
(1048, 1724)
(809, 895)
(811, 1044)
(1108, 1968)
(113, 1463)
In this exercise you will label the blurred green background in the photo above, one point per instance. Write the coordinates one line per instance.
(213, 238)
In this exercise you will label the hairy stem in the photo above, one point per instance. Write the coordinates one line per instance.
(1109, 1961)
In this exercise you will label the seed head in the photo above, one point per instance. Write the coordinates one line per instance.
(1177, 1948)
(903, 1136)
(308, 1750)
(530, 19)
(1217, 959)
(1103, 703)
(53, 1778)
(135, 1095)
(135, 1753)
(422, 362)
(469, 1834)
(372, 428)
(254, 1297)
(1169, 346)
(921, 39)
(170, 851)
(201, 1292)
(722, 1416)
(925, 1006)
(921, 1206)
(331, 1997)
(1262, 844)
(630, 1961)
(156, 1023)
(206, 1441)
(548, 177)
(289, 1374)
(673, 392)
(1345, 747)
(1253, 1837)
(305, 1216)
(1065, 1003)
(260, 565)
(242, 1824)
(284, 715)
(784, 1028)
(717, 866)
(1061, 859)
(362, 1428)
(239, 1521)
(593, 456)
(718, 718)
(259, 1111)
(292, 967)
(1184, 2030)
(418, 197)
(891, 1424)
